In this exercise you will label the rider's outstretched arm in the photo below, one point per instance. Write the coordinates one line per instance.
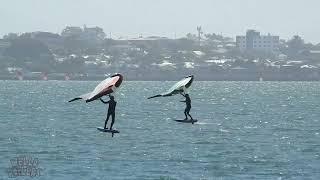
(104, 102)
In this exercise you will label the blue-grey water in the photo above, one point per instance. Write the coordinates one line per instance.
(246, 130)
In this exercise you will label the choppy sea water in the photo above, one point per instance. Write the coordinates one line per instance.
(246, 130)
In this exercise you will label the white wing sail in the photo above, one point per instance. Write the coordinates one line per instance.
(105, 87)
(180, 86)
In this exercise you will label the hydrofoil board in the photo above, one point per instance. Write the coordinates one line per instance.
(186, 121)
(108, 130)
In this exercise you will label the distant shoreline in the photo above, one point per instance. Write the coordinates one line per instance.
(158, 80)
(199, 76)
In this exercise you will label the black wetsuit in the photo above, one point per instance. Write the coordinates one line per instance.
(111, 111)
(188, 106)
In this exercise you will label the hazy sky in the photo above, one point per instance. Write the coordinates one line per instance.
(165, 17)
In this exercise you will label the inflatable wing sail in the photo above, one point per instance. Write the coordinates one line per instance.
(180, 86)
(106, 87)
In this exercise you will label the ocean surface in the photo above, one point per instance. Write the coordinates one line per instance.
(246, 130)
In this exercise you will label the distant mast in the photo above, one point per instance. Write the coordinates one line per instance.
(199, 29)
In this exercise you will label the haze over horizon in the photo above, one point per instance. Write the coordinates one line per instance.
(126, 18)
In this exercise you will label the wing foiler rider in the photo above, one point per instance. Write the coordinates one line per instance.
(111, 110)
(188, 105)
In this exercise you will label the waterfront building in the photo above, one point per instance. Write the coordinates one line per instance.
(254, 41)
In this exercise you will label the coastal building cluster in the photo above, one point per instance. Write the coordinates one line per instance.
(254, 41)
(86, 53)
